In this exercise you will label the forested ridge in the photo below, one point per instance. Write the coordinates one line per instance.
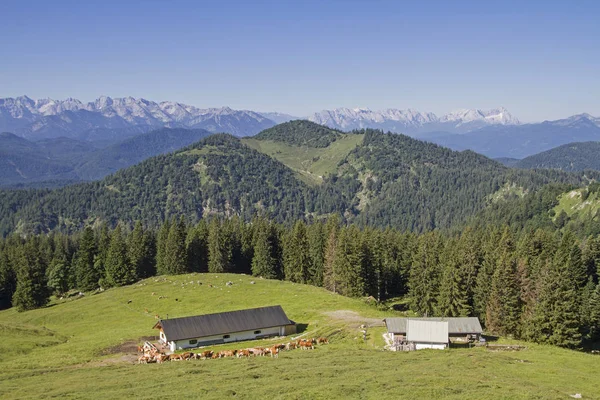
(578, 156)
(52, 161)
(387, 180)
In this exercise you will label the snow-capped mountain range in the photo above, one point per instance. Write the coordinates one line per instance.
(412, 121)
(45, 118)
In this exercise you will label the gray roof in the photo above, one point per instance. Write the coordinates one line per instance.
(458, 325)
(223, 323)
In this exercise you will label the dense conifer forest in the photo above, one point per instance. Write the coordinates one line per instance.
(538, 285)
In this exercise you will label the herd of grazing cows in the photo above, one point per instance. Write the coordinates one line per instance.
(151, 354)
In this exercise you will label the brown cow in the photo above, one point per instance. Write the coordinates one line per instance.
(258, 351)
(186, 355)
(175, 357)
(206, 354)
(161, 358)
(274, 351)
(291, 346)
(323, 340)
(243, 353)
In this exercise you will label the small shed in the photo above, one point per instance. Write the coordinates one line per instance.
(427, 334)
(460, 329)
(232, 326)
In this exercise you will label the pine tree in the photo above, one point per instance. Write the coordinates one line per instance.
(481, 292)
(594, 315)
(59, 270)
(175, 257)
(296, 257)
(425, 275)
(330, 274)
(32, 290)
(219, 248)
(503, 306)
(8, 278)
(197, 247)
(316, 243)
(453, 298)
(119, 271)
(263, 262)
(557, 318)
(140, 251)
(88, 274)
(161, 246)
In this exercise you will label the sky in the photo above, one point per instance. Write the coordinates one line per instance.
(539, 59)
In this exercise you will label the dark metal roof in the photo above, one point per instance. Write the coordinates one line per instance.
(222, 323)
(458, 325)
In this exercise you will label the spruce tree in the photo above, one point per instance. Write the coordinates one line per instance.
(330, 274)
(453, 298)
(161, 246)
(263, 262)
(88, 273)
(594, 315)
(140, 251)
(316, 243)
(119, 271)
(425, 275)
(503, 306)
(219, 248)
(197, 247)
(296, 257)
(59, 270)
(175, 257)
(8, 278)
(32, 290)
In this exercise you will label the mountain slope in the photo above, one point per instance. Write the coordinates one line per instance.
(23, 161)
(380, 180)
(26, 162)
(132, 151)
(569, 157)
(520, 141)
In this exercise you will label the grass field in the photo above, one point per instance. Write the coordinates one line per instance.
(310, 163)
(81, 348)
(572, 203)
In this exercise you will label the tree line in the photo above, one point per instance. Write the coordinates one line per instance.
(539, 285)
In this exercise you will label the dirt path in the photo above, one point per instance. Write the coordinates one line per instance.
(353, 317)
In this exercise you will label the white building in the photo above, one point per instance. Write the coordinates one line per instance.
(233, 326)
(427, 334)
(458, 330)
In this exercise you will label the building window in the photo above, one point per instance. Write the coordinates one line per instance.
(193, 341)
(257, 332)
(226, 336)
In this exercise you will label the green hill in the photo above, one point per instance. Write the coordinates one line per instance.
(85, 348)
(369, 177)
(569, 157)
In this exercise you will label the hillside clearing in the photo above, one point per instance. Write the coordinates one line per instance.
(310, 163)
(81, 352)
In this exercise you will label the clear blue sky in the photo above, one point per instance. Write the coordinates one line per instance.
(540, 59)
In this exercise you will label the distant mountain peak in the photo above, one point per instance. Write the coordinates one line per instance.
(412, 121)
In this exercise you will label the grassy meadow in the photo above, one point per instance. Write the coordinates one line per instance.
(84, 348)
(311, 164)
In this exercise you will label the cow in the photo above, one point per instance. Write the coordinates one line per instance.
(274, 351)
(323, 340)
(307, 344)
(206, 354)
(175, 357)
(161, 358)
(291, 346)
(186, 356)
(258, 351)
(243, 353)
